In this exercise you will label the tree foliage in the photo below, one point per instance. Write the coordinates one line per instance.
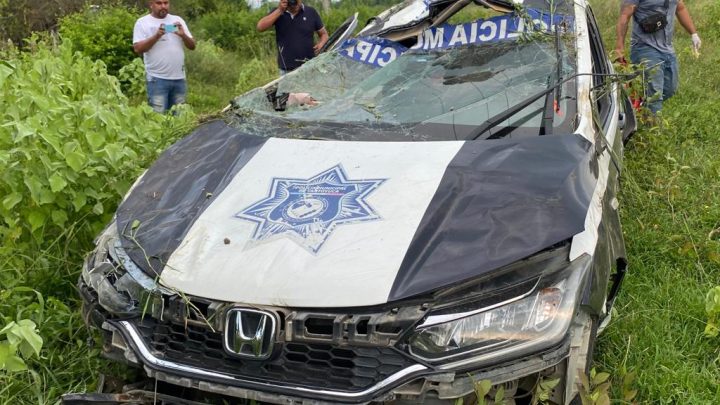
(102, 34)
(20, 18)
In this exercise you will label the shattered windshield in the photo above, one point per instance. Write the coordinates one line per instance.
(440, 88)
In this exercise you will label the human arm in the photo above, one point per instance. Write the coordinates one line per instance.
(188, 40)
(686, 21)
(626, 12)
(323, 34)
(269, 20)
(146, 44)
(683, 16)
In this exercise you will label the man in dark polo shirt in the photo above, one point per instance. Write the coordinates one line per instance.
(295, 27)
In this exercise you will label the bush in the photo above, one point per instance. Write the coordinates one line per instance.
(209, 63)
(69, 143)
(212, 74)
(102, 34)
(132, 80)
(192, 9)
(254, 73)
(19, 18)
(337, 15)
(235, 30)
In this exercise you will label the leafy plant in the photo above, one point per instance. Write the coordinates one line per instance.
(132, 79)
(543, 390)
(21, 340)
(232, 26)
(234, 29)
(483, 388)
(69, 143)
(210, 64)
(595, 390)
(21, 343)
(103, 33)
(255, 73)
(712, 307)
(628, 390)
(20, 18)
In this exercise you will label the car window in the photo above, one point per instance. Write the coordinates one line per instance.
(425, 92)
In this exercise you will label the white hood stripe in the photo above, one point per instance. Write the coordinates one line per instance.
(219, 258)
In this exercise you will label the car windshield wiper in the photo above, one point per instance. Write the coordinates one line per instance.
(553, 98)
(502, 116)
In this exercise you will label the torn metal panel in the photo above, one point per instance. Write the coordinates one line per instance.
(413, 17)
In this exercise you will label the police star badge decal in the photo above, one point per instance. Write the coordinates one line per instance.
(308, 210)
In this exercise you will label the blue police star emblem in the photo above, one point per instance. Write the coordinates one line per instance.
(308, 210)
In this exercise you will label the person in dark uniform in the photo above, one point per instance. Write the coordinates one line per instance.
(295, 27)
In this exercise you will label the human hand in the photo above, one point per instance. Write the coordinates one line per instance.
(696, 43)
(179, 29)
(160, 31)
(618, 55)
(282, 6)
(317, 47)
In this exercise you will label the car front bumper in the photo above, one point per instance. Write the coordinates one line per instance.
(179, 356)
(412, 384)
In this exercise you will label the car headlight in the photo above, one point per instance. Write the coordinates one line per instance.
(122, 289)
(539, 318)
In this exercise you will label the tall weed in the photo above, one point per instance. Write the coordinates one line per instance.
(69, 143)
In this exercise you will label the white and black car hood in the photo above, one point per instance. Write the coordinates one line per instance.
(315, 223)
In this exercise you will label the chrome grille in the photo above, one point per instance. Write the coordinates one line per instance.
(311, 365)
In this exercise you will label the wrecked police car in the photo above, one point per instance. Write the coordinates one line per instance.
(428, 204)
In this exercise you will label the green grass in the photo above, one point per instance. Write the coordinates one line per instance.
(67, 363)
(670, 212)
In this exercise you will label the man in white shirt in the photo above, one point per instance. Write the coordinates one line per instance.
(161, 37)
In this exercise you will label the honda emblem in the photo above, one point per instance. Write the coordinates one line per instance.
(249, 333)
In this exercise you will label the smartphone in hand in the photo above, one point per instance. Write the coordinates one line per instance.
(170, 28)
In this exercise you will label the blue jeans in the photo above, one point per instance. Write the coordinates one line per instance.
(163, 93)
(661, 73)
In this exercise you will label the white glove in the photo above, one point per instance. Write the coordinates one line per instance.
(696, 43)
